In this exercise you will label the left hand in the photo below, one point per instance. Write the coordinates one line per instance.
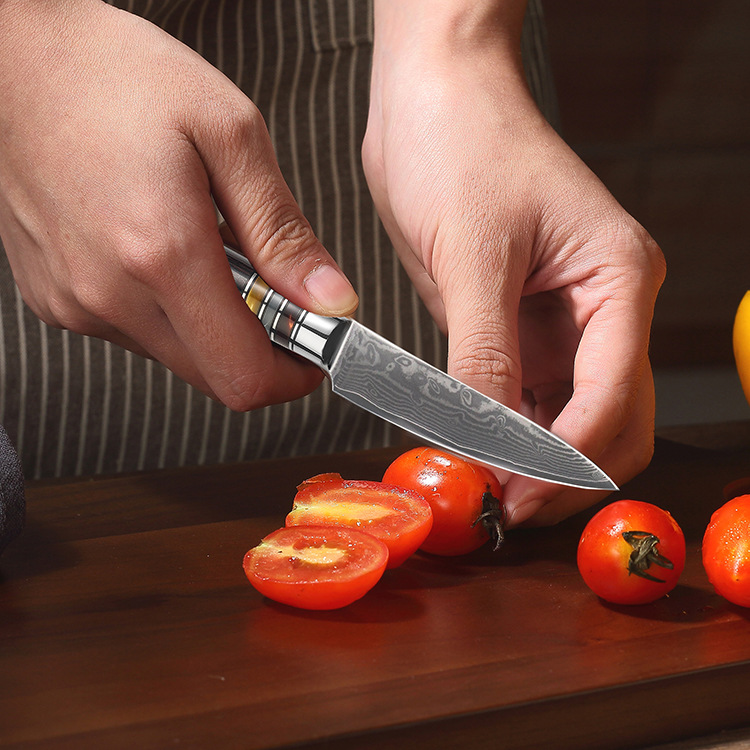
(543, 283)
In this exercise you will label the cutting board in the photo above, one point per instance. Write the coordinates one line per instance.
(126, 621)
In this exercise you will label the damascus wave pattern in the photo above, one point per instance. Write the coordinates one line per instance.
(379, 376)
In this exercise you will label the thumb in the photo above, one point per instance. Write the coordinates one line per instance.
(267, 222)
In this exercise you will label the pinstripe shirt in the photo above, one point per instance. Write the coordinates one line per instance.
(75, 405)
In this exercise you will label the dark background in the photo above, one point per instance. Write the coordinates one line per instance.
(655, 98)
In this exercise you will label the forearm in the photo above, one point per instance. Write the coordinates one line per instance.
(436, 50)
(448, 28)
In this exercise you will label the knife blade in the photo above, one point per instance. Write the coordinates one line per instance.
(376, 375)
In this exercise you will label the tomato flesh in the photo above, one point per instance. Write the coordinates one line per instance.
(631, 552)
(726, 551)
(455, 490)
(316, 567)
(399, 517)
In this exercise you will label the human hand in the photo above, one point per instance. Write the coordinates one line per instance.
(115, 136)
(543, 283)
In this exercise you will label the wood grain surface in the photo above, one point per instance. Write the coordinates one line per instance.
(126, 621)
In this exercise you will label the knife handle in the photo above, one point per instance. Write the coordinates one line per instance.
(314, 337)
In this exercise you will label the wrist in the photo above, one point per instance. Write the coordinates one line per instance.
(441, 54)
(450, 29)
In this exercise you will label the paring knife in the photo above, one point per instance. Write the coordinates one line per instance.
(384, 379)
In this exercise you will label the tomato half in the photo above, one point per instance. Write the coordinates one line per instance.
(726, 551)
(465, 499)
(316, 568)
(399, 517)
(631, 552)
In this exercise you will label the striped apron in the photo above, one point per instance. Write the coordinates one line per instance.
(73, 405)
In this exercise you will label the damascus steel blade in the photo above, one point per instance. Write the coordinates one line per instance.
(379, 376)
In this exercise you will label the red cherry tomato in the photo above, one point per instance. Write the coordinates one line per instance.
(465, 499)
(399, 517)
(316, 568)
(631, 552)
(726, 551)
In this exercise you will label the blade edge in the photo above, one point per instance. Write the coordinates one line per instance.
(414, 393)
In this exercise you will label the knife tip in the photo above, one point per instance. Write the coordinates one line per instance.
(608, 484)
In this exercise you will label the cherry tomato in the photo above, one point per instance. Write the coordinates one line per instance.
(631, 552)
(726, 551)
(465, 499)
(399, 517)
(316, 567)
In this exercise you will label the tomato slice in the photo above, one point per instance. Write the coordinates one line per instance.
(326, 477)
(400, 517)
(316, 567)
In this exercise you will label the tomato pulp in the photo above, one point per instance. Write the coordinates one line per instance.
(316, 567)
(399, 517)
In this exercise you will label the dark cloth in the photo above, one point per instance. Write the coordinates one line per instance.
(12, 500)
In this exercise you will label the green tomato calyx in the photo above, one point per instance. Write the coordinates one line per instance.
(645, 554)
(492, 517)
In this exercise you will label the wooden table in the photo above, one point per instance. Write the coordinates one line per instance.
(126, 622)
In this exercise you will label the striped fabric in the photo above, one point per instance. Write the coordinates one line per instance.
(74, 405)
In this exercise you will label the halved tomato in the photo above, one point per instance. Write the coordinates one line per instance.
(399, 517)
(316, 567)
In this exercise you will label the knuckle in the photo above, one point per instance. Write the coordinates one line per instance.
(643, 454)
(653, 261)
(140, 248)
(619, 398)
(241, 123)
(63, 312)
(42, 306)
(142, 258)
(283, 233)
(656, 260)
(244, 391)
(622, 400)
(92, 299)
(150, 258)
(46, 314)
(643, 254)
(617, 402)
(480, 360)
(244, 388)
(91, 295)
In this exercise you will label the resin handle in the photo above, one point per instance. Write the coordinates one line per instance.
(314, 337)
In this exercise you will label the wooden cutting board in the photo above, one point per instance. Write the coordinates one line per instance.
(126, 621)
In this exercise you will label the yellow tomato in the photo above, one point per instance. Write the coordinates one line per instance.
(741, 342)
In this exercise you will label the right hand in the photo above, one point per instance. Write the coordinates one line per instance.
(115, 137)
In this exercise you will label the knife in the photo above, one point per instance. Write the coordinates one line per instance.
(384, 379)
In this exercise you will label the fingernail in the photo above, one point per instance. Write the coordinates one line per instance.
(331, 290)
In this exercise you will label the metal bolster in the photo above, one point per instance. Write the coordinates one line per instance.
(317, 338)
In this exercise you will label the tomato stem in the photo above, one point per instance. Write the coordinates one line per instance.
(493, 518)
(645, 554)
